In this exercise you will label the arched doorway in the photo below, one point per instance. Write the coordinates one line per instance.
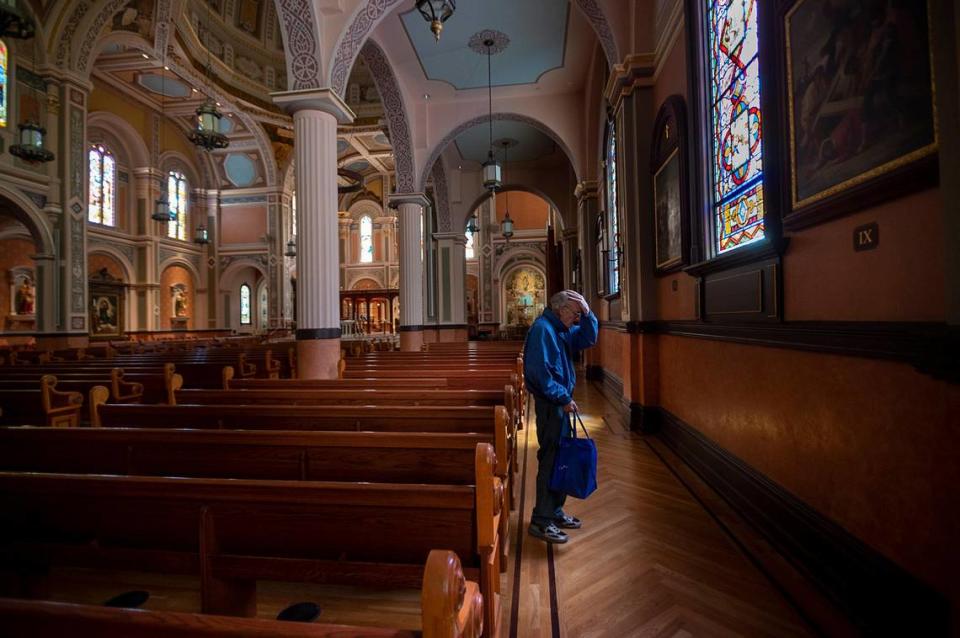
(26, 268)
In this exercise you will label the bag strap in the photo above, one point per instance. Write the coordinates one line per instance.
(573, 431)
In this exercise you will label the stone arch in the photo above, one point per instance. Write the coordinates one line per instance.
(365, 207)
(355, 282)
(117, 128)
(513, 187)
(500, 117)
(177, 260)
(126, 266)
(301, 43)
(396, 112)
(21, 208)
(175, 160)
(441, 196)
(370, 13)
(522, 260)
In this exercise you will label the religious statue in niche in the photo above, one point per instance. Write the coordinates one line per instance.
(524, 297)
(22, 292)
(178, 296)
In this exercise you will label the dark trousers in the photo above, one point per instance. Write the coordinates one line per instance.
(552, 423)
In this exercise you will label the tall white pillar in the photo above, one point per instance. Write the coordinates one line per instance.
(316, 113)
(411, 207)
(452, 263)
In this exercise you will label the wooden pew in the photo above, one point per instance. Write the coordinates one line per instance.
(451, 607)
(324, 532)
(61, 409)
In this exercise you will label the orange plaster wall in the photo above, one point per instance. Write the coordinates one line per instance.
(901, 280)
(13, 253)
(870, 444)
(243, 224)
(610, 349)
(528, 211)
(679, 304)
(97, 261)
(172, 276)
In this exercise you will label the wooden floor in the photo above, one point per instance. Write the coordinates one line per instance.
(649, 561)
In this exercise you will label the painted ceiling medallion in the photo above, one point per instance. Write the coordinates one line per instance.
(478, 42)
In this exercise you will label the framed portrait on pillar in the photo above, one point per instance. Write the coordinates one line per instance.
(669, 165)
(858, 105)
(107, 297)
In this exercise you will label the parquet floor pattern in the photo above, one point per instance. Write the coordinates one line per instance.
(649, 560)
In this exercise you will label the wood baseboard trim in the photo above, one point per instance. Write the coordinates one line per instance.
(875, 595)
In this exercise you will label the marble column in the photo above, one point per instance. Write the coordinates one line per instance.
(316, 113)
(452, 260)
(411, 207)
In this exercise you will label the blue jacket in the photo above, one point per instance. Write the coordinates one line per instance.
(548, 355)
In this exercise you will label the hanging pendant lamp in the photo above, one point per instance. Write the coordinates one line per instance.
(506, 226)
(491, 168)
(14, 21)
(436, 12)
(207, 134)
(30, 147)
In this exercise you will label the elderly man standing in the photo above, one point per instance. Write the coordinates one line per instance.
(565, 328)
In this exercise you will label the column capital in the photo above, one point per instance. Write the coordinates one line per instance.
(586, 189)
(325, 100)
(460, 238)
(408, 198)
(569, 233)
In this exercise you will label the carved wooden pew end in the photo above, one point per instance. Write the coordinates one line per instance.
(62, 409)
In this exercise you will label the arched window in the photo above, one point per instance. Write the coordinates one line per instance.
(469, 246)
(4, 82)
(733, 64)
(613, 219)
(177, 198)
(101, 207)
(366, 239)
(293, 215)
(244, 305)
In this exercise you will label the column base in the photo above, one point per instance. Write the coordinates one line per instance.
(411, 340)
(318, 358)
(451, 333)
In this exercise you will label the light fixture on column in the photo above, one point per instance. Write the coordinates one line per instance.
(472, 225)
(436, 12)
(200, 235)
(207, 134)
(14, 22)
(30, 147)
(291, 248)
(491, 168)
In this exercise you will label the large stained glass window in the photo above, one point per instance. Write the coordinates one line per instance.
(4, 83)
(101, 204)
(737, 156)
(244, 305)
(613, 219)
(177, 198)
(366, 239)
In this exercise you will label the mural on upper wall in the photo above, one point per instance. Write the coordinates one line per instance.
(524, 296)
(249, 17)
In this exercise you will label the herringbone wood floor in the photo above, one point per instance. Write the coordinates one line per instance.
(649, 560)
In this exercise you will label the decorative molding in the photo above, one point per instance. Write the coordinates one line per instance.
(598, 21)
(311, 334)
(300, 43)
(77, 158)
(226, 200)
(128, 251)
(443, 202)
(637, 70)
(393, 106)
(365, 18)
(84, 55)
(500, 42)
(875, 594)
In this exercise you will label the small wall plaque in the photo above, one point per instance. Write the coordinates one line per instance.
(866, 237)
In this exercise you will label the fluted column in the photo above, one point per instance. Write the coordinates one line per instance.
(410, 217)
(316, 114)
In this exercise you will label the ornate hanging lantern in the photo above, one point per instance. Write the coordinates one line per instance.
(436, 12)
(201, 236)
(491, 168)
(291, 248)
(30, 149)
(14, 22)
(506, 226)
(207, 135)
(162, 211)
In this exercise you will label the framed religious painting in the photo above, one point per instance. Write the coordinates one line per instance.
(860, 104)
(668, 164)
(107, 296)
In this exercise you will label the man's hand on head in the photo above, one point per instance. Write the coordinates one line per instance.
(571, 407)
(577, 298)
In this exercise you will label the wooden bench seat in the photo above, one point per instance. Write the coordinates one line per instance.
(451, 607)
(322, 532)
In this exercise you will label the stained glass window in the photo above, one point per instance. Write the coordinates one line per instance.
(613, 221)
(293, 215)
(737, 156)
(469, 245)
(177, 198)
(244, 305)
(4, 83)
(366, 239)
(101, 204)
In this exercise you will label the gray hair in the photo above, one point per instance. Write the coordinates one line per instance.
(559, 300)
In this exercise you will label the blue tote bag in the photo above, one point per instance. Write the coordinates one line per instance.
(575, 467)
